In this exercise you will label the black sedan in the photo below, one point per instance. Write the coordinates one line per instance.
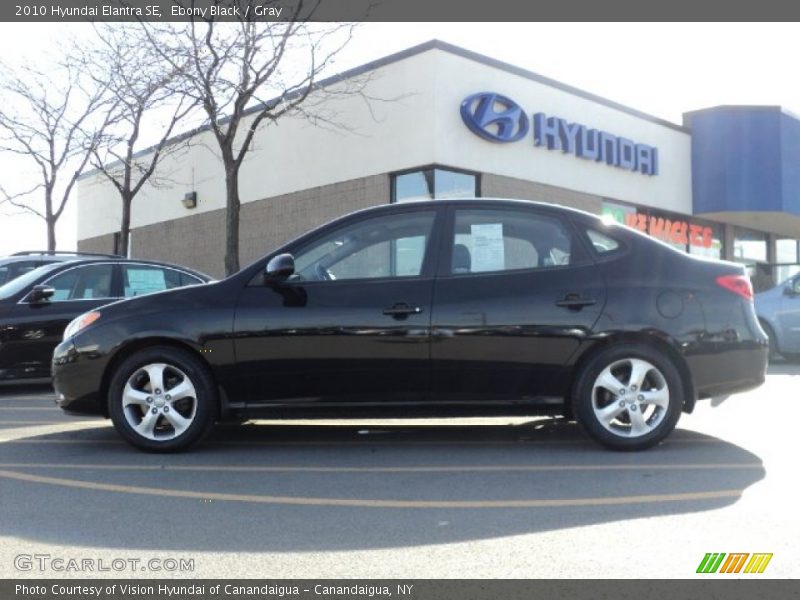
(36, 307)
(461, 307)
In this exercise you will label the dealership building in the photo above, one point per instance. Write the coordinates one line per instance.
(437, 121)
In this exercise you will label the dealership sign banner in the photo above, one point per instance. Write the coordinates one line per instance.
(671, 230)
(497, 118)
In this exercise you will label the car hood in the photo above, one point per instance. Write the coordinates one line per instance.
(184, 298)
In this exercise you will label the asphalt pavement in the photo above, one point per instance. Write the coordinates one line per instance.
(500, 498)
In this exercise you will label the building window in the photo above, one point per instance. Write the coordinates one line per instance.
(749, 246)
(711, 232)
(787, 259)
(434, 183)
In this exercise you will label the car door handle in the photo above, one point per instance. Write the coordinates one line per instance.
(401, 309)
(575, 302)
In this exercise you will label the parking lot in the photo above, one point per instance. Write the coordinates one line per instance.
(464, 498)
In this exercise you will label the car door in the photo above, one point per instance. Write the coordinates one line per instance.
(789, 316)
(37, 327)
(352, 325)
(516, 294)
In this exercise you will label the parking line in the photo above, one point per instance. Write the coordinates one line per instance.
(408, 469)
(366, 503)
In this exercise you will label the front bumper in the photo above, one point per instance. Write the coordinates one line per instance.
(77, 380)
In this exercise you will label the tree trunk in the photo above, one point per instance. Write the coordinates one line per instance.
(50, 220)
(125, 225)
(231, 220)
(51, 233)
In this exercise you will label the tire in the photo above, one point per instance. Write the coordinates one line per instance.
(152, 418)
(628, 397)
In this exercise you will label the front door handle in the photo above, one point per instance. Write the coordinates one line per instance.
(575, 301)
(401, 309)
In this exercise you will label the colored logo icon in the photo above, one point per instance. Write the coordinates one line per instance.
(741, 562)
(494, 117)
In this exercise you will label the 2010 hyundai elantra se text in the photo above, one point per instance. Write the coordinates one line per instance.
(457, 307)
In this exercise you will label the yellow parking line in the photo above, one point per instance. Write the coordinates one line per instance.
(408, 469)
(28, 422)
(355, 442)
(366, 503)
(52, 408)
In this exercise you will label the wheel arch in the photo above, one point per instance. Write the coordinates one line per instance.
(135, 345)
(659, 341)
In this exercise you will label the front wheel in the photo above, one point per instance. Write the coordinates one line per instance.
(162, 399)
(628, 397)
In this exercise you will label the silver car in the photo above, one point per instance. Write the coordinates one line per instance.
(778, 311)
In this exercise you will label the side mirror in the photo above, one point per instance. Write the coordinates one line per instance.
(41, 293)
(279, 268)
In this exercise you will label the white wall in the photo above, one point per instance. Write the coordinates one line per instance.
(289, 156)
(458, 77)
(417, 123)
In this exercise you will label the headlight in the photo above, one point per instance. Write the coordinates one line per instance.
(80, 323)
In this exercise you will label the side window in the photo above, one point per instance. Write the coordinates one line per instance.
(139, 280)
(385, 246)
(796, 285)
(187, 279)
(507, 240)
(602, 243)
(82, 283)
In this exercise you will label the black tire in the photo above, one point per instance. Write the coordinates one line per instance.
(655, 421)
(198, 409)
(774, 353)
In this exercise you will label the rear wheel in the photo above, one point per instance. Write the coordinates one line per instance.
(162, 399)
(628, 397)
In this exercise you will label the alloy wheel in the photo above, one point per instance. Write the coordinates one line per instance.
(630, 397)
(159, 402)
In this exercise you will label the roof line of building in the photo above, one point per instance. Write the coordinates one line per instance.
(434, 44)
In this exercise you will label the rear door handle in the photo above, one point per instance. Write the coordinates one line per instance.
(401, 309)
(575, 302)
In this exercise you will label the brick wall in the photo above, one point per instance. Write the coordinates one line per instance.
(498, 186)
(198, 240)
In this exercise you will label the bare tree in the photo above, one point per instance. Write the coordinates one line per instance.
(142, 91)
(245, 74)
(53, 121)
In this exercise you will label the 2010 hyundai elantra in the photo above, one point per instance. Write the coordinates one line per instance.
(458, 307)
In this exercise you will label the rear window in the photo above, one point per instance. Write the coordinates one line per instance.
(602, 243)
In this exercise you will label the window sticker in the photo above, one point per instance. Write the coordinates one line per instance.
(488, 250)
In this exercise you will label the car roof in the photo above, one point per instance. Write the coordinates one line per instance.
(118, 260)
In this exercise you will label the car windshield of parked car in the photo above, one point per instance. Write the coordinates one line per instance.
(15, 286)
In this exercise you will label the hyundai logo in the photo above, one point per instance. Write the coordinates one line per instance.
(494, 117)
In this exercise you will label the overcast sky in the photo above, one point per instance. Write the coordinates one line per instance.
(664, 69)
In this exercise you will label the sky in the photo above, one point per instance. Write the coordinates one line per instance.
(663, 69)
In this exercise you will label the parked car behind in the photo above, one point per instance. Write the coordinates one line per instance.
(20, 263)
(778, 310)
(469, 307)
(36, 307)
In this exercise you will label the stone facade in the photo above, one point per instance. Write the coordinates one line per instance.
(198, 240)
(498, 186)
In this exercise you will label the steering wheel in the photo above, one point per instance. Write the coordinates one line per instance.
(323, 274)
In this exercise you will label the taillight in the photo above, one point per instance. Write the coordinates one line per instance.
(738, 284)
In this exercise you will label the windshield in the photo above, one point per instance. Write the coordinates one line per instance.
(15, 286)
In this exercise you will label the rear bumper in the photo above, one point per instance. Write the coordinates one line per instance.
(728, 371)
(75, 380)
